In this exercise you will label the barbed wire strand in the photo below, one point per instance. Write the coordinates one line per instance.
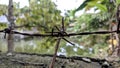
(59, 34)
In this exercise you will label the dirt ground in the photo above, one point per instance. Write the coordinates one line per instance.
(31, 60)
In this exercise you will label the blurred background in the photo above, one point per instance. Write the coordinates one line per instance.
(40, 16)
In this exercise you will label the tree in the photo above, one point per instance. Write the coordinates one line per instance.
(101, 20)
(41, 13)
(43, 16)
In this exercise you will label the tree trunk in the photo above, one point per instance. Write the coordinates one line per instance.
(11, 27)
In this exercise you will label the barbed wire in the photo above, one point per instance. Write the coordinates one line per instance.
(57, 34)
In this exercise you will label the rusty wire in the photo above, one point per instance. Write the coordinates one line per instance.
(58, 34)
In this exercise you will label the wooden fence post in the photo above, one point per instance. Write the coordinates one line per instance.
(118, 28)
(11, 27)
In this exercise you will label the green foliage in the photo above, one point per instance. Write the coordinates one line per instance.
(102, 5)
(3, 9)
(83, 5)
(43, 13)
(117, 2)
(3, 25)
(98, 5)
(92, 22)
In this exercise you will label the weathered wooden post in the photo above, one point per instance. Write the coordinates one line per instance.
(55, 54)
(10, 18)
(118, 27)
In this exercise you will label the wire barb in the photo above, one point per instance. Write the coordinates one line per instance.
(68, 41)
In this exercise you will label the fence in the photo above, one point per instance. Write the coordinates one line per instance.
(60, 34)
